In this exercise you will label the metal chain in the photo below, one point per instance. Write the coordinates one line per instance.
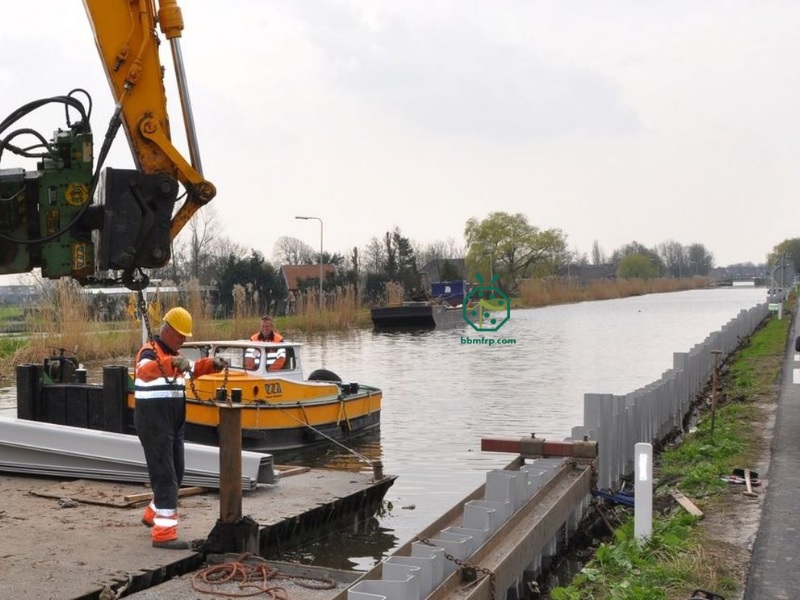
(224, 383)
(466, 567)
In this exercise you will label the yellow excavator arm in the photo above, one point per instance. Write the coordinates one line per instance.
(128, 43)
(70, 216)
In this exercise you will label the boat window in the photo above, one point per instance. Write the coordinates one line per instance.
(252, 359)
(234, 356)
(280, 359)
(194, 352)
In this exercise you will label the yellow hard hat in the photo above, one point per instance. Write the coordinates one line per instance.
(180, 320)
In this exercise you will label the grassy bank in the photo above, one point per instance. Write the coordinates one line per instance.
(685, 553)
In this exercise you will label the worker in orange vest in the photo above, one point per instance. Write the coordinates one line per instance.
(160, 419)
(267, 333)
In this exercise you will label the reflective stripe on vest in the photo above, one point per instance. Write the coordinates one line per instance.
(161, 387)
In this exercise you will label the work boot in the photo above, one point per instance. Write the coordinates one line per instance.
(172, 544)
(149, 516)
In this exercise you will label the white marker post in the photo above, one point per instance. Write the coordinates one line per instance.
(643, 492)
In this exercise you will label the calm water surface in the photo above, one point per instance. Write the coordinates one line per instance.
(441, 396)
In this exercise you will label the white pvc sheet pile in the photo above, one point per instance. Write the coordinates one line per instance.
(73, 452)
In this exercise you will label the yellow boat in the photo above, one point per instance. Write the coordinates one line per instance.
(281, 409)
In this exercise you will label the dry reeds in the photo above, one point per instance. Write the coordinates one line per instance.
(63, 319)
(544, 292)
(62, 322)
(341, 309)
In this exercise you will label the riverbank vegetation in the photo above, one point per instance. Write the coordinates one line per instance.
(684, 553)
(503, 249)
(544, 292)
(64, 319)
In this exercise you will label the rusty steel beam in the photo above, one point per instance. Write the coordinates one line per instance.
(539, 447)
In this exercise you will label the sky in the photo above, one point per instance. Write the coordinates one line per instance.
(610, 120)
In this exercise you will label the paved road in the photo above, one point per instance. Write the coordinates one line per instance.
(775, 568)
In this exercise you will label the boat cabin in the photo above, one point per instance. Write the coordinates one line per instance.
(260, 359)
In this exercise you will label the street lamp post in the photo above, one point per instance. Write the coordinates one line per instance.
(320, 254)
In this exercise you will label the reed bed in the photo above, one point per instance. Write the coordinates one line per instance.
(544, 292)
(62, 321)
(341, 309)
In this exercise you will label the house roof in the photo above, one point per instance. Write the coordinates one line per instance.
(291, 273)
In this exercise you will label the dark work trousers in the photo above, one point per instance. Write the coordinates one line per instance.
(160, 425)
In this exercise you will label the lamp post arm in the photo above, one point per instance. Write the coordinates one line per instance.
(320, 253)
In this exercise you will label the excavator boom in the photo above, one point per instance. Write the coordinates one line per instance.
(128, 43)
(49, 217)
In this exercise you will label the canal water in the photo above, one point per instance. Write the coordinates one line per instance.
(444, 390)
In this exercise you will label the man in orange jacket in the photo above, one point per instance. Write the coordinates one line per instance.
(160, 418)
(267, 333)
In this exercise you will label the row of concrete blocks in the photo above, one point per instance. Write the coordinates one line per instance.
(415, 577)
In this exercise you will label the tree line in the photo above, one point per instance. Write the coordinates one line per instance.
(502, 246)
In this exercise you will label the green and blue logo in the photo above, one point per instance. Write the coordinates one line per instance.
(486, 307)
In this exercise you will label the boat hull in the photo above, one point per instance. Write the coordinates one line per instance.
(416, 315)
(289, 438)
(278, 425)
(277, 415)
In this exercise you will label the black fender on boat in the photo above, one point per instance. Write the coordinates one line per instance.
(324, 375)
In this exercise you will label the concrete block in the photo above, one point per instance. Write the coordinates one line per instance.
(424, 571)
(405, 589)
(502, 510)
(478, 516)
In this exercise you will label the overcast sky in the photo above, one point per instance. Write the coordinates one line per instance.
(610, 120)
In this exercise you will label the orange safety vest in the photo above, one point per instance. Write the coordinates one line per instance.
(257, 337)
(158, 378)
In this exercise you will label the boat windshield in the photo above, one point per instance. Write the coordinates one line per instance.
(248, 358)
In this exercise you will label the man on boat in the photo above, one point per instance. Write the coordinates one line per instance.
(267, 333)
(160, 418)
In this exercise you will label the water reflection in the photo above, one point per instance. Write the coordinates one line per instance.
(357, 548)
(358, 455)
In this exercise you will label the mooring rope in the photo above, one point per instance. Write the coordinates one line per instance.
(318, 432)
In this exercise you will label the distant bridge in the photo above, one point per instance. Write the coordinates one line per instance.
(740, 282)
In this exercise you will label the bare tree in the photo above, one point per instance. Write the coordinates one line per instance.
(577, 257)
(203, 233)
(374, 256)
(192, 250)
(674, 256)
(292, 251)
(598, 256)
(700, 260)
(436, 252)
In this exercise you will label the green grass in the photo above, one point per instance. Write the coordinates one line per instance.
(674, 561)
(9, 345)
(625, 570)
(11, 313)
